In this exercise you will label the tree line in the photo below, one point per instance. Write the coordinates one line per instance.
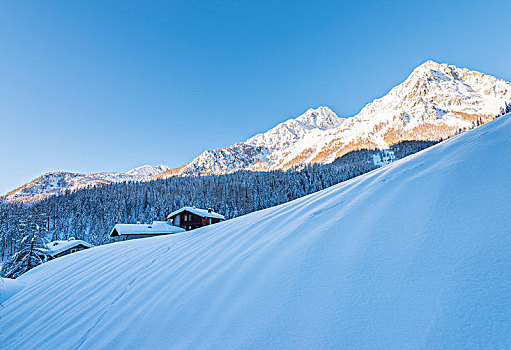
(90, 213)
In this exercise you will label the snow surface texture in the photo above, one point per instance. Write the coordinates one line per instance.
(433, 103)
(9, 287)
(411, 255)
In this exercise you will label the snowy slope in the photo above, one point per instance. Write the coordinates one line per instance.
(433, 103)
(57, 182)
(9, 287)
(412, 255)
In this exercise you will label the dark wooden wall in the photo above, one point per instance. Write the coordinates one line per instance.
(193, 221)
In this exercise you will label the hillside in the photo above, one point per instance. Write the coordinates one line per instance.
(56, 183)
(435, 102)
(411, 255)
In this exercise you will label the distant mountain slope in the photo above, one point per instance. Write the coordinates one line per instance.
(147, 171)
(57, 182)
(436, 101)
(414, 255)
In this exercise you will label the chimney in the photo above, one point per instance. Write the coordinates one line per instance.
(210, 210)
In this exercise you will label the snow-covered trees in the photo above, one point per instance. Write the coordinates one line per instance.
(29, 253)
(505, 110)
(90, 213)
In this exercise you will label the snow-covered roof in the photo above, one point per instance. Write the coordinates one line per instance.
(156, 228)
(56, 247)
(205, 213)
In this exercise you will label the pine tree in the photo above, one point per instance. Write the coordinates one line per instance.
(30, 253)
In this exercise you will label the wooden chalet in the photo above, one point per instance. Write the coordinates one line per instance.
(191, 218)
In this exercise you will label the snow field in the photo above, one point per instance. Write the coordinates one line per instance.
(411, 255)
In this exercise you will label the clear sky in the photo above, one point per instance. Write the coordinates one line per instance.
(91, 86)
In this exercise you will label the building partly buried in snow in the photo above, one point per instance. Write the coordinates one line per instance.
(124, 232)
(56, 249)
(191, 218)
(184, 219)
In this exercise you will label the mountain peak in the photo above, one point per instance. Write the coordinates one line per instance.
(430, 64)
(319, 118)
(147, 171)
(431, 71)
(292, 130)
(434, 102)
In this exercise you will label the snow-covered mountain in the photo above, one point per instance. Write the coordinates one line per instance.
(147, 171)
(57, 182)
(414, 255)
(435, 102)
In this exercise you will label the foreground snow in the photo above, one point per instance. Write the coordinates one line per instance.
(9, 287)
(412, 255)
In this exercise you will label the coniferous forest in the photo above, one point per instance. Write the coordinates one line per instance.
(90, 213)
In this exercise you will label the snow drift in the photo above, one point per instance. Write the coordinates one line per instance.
(412, 255)
(9, 287)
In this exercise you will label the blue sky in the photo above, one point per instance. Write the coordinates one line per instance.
(91, 86)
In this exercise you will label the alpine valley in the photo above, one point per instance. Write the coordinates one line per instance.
(435, 102)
